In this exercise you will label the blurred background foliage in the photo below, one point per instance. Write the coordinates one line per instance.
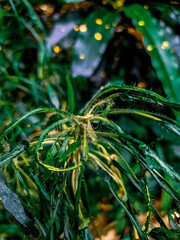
(93, 42)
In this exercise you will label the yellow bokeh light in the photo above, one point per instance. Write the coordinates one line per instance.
(83, 28)
(142, 85)
(76, 28)
(149, 47)
(107, 26)
(98, 36)
(141, 23)
(165, 44)
(146, 6)
(57, 49)
(119, 3)
(114, 24)
(81, 56)
(99, 21)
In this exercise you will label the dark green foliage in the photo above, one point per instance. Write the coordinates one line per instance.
(165, 234)
(60, 155)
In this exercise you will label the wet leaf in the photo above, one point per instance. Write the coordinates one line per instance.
(163, 60)
(14, 153)
(12, 202)
(174, 217)
(108, 179)
(92, 36)
(70, 149)
(165, 234)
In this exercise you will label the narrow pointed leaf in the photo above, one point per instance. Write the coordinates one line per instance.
(70, 95)
(14, 153)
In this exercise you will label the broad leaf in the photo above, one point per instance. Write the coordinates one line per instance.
(92, 41)
(12, 202)
(163, 60)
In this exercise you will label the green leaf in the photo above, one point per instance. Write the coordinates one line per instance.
(162, 182)
(118, 86)
(48, 129)
(14, 153)
(63, 147)
(173, 219)
(70, 95)
(165, 234)
(11, 229)
(70, 149)
(25, 116)
(151, 158)
(12, 202)
(39, 184)
(104, 175)
(52, 96)
(163, 60)
(34, 16)
(88, 50)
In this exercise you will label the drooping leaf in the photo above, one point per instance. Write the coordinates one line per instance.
(25, 116)
(163, 60)
(12, 202)
(14, 153)
(70, 149)
(108, 179)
